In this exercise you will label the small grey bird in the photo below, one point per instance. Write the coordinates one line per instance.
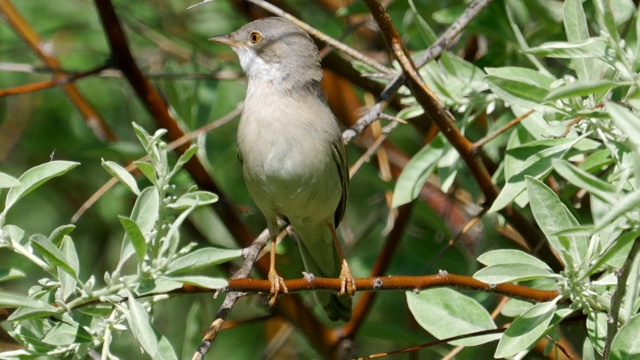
(291, 149)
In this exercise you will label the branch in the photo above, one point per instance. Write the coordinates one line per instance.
(90, 115)
(618, 296)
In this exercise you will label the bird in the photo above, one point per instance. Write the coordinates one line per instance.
(291, 150)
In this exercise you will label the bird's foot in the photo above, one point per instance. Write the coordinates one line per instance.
(277, 285)
(347, 282)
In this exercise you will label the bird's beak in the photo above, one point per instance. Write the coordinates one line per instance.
(225, 40)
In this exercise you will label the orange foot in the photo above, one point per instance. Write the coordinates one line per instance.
(347, 282)
(277, 284)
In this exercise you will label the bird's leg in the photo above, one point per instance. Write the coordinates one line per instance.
(277, 282)
(347, 282)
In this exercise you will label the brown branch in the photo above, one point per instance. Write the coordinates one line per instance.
(396, 283)
(92, 118)
(58, 81)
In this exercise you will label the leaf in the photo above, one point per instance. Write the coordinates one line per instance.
(160, 285)
(626, 343)
(193, 198)
(203, 281)
(445, 313)
(63, 333)
(186, 156)
(597, 329)
(628, 122)
(140, 325)
(60, 232)
(145, 215)
(8, 181)
(416, 173)
(552, 215)
(519, 86)
(35, 177)
(122, 175)
(68, 282)
(576, 28)
(52, 254)
(526, 329)
(13, 301)
(509, 256)
(584, 180)
(583, 89)
(503, 273)
(135, 236)
(11, 274)
(539, 156)
(147, 170)
(595, 47)
(202, 258)
(628, 203)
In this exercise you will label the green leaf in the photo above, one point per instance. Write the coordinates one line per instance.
(552, 215)
(626, 343)
(575, 26)
(538, 164)
(509, 256)
(63, 333)
(597, 329)
(35, 177)
(503, 273)
(445, 313)
(416, 173)
(13, 301)
(519, 86)
(160, 285)
(186, 156)
(147, 170)
(122, 175)
(629, 203)
(584, 180)
(8, 181)
(586, 49)
(60, 232)
(202, 258)
(628, 122)
(203, 281)
(583, 89)
(140, 325)
(11, 274)
(526, 329)
(52, 254)
(194, 198)
(145, 215)
(135, 236)
(68, 282)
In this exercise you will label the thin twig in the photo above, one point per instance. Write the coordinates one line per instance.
(617, 297)
(482, 142)
(58, 81)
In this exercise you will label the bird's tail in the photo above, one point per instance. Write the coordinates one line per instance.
(321, 258)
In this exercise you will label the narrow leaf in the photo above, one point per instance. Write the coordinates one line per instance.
(584, 180)
(416, 173)
(122, 175)
(203, 281)
(52, 254)
(135, 236)
(202, 258)
(36, 176)
(140, 325)
(509, 256)
(503, 273)
(8, 181)
(194, 198)
(526, 329)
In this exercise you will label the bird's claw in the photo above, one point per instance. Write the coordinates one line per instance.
(347, 282)
(277, 284)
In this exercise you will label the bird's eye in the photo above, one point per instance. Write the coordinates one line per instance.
(255, 37)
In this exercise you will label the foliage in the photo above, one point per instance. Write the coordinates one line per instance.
(557, 83)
